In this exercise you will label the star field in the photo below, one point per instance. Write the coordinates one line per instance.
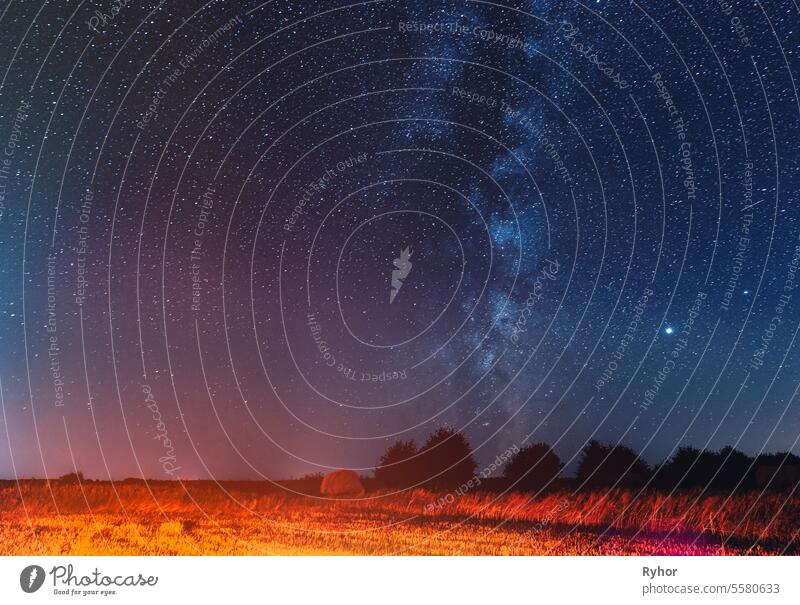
(204, 208)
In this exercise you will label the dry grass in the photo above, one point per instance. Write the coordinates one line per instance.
(195, 518)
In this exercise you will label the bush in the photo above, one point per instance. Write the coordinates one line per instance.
(533, 467)
(604, 466)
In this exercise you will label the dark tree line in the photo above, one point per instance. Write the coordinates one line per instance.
(445, 461)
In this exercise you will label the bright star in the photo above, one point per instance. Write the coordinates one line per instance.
(669, 330)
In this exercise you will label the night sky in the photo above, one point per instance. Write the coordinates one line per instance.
(590, 209)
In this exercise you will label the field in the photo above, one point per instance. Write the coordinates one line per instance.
(196, 518)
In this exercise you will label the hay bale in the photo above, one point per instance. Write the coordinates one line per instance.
(341, 483)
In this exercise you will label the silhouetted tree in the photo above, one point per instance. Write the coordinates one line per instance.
(603, 466)
(690, 468)
(309, 483)
(533, 467)
(685, 469)
(732, 470)
(776, 471)
(445, 460)
(398, 467)
(72, 478)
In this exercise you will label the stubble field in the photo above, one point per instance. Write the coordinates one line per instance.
(203, 518)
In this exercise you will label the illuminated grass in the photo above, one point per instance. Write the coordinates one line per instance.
(198, 518)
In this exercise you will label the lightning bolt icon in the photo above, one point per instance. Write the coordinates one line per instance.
(32, 579)
(403, 268)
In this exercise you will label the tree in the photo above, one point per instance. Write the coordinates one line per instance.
(732, 470)
(76, 477)
(690, 468)
(533, 467)
(603, 466)
(445, 460)
(684, 470)
(397, 467)
(776, 472)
